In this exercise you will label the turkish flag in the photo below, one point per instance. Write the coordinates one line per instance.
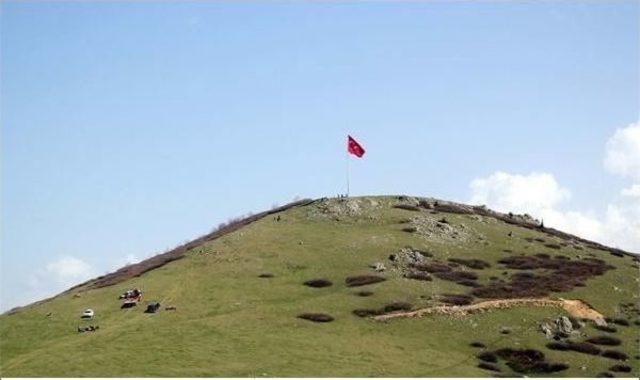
(354, 148)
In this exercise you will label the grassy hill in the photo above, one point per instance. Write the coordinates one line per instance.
(238, 293)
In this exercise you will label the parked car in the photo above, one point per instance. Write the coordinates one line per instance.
(153, 307)
(87, 314)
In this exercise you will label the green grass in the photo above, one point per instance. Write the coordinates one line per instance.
(229, 322)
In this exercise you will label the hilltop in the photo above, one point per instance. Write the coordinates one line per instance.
(366, 286)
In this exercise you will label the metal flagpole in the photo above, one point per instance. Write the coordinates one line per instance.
(347, 158)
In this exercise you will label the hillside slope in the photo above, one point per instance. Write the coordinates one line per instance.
(238, 294)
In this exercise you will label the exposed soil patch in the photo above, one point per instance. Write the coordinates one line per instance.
(266, 275)
(441, 230)
(318, 283)
(316, 317)
(576, 308)
(477, 344)
(363, 280)
(364, 293)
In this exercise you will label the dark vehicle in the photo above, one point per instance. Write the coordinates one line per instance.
(153, 307)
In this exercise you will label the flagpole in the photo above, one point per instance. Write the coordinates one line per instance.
(347, 158)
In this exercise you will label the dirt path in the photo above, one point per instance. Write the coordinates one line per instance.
(576, 308)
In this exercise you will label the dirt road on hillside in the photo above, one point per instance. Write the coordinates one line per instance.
(575, 308)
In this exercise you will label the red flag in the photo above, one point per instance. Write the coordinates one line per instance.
(354, 148)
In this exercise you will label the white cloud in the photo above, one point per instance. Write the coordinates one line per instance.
(623, 152)
(633, 191)
(518, 193)
(68, 270)
(541, 196)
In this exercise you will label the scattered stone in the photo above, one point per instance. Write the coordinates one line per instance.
(378, 267)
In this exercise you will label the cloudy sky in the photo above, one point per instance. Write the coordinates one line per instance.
(130, 128)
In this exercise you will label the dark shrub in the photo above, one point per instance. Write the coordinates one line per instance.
(553, 246)
(410, 229)
(507, 251)
(266, 275)
(616, 355)
(487, 356)
(456, 299)
(575, 323)
(620, 321)
(585, 348)
(365, 312)
(609, 329)
(417, 275)
(457, 275)
(404, 206)
(521, 360)
(363, 280)
(316, 317)
(318, 283)
(540, 240)
(604, 340)
(616, 253)
(469, 283)
(620, 368)
(477, 345)
(545, 367)
(489, 366)
(396, 306)
(605, 374)
(364, 293)
(558, 346)
(435, 267)
(471, 263)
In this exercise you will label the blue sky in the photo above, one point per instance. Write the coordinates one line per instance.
(128, 128)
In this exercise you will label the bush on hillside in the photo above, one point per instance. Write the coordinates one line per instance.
(318, 283)
(316, 317)
(605, 340)
(363, 280)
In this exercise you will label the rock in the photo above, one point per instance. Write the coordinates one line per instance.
(378, 267)
(563, 325)
(600, 321)
(547, 330)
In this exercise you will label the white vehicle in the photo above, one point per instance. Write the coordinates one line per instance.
(87, 314)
